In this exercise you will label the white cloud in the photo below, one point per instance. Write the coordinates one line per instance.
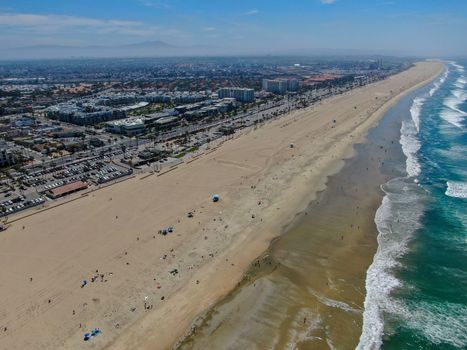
(155, 4)
(252, 13)
(57, 24)
(20, 20)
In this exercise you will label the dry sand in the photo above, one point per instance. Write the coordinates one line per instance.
(263, 183)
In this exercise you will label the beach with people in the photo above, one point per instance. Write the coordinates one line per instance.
(134, 264)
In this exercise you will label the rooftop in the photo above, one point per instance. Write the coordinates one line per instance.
(60, 191)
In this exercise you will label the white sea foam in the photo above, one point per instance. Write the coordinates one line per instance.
(454, 153)
(444, 76)
(410, 146)
(441, 323)
(409, 139)
(458, 67)
(438, 83)
(452, 113)
(415, 111)
(460, 82)
(460, 95)
(452, 102)
(334, 303)
(456, 189)
(396, 219)
(452, 117)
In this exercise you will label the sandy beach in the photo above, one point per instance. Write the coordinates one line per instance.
(306, 292)
(109, 238)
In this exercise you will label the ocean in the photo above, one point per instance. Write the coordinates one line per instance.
(416, 286)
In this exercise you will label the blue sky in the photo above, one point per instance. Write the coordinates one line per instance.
(420, 27)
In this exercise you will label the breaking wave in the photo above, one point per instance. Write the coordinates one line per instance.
(438, 83)
(456, 189)
(409, 139)
(410, 146)
(396, 219)
(441, 323)
(452, 113)
(415, 111)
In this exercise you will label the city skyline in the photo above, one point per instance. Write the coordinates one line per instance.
(421, 28)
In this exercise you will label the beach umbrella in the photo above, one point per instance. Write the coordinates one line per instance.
(216, 198)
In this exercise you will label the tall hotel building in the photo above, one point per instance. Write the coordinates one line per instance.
(240, 94)
(280, 86)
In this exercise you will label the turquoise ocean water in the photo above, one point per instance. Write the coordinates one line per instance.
(417, 284)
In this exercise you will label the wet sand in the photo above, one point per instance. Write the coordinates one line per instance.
(307, 291)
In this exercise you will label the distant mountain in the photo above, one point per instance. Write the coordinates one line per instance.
(143, 49)
(158, 48)
(148, 44)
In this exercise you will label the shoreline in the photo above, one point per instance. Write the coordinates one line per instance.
(289, 276)
(211, 245)
(252, 274)
(301, 272)
(319, 187)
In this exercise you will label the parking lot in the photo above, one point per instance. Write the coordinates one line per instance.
(19, 203)
(33, 185)
(93, 171)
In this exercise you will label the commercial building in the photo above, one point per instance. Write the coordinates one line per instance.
(320, 78)
(240, 94)
(24, 121)
(128, 126)
(280, 86)
(148, 155)
(7, 157)
(66, 189)
(292, 85)
(117, 99)
(96, 142)
(83, 114)
(166, 123)
(150, 119)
